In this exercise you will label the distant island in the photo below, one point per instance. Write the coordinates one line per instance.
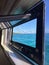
(23, 33)
(16, 33)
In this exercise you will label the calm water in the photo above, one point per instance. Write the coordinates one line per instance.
(27, 39)
(30, 40)
(46, 49)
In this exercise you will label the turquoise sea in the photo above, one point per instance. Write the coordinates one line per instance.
(27, 39)
(30, 40)
(46, 49)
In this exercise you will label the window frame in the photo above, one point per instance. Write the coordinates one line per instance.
(38, 51)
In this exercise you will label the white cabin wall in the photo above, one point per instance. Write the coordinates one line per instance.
(2, 40)
(9, 33)
(6, 36)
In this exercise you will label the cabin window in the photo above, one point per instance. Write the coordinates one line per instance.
(25, 33)
(14, 22)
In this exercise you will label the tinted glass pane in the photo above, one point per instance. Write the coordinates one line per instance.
(14, 22)
(25, 33)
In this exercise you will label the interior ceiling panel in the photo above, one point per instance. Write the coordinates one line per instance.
(8, 7)
(22, 6)
(5, 6)
(15, 6)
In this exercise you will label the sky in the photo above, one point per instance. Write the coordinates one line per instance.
(46, 16)
(30, 27)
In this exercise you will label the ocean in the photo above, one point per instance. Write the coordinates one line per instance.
(46, 49)
(27, 39)
(30, 40)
